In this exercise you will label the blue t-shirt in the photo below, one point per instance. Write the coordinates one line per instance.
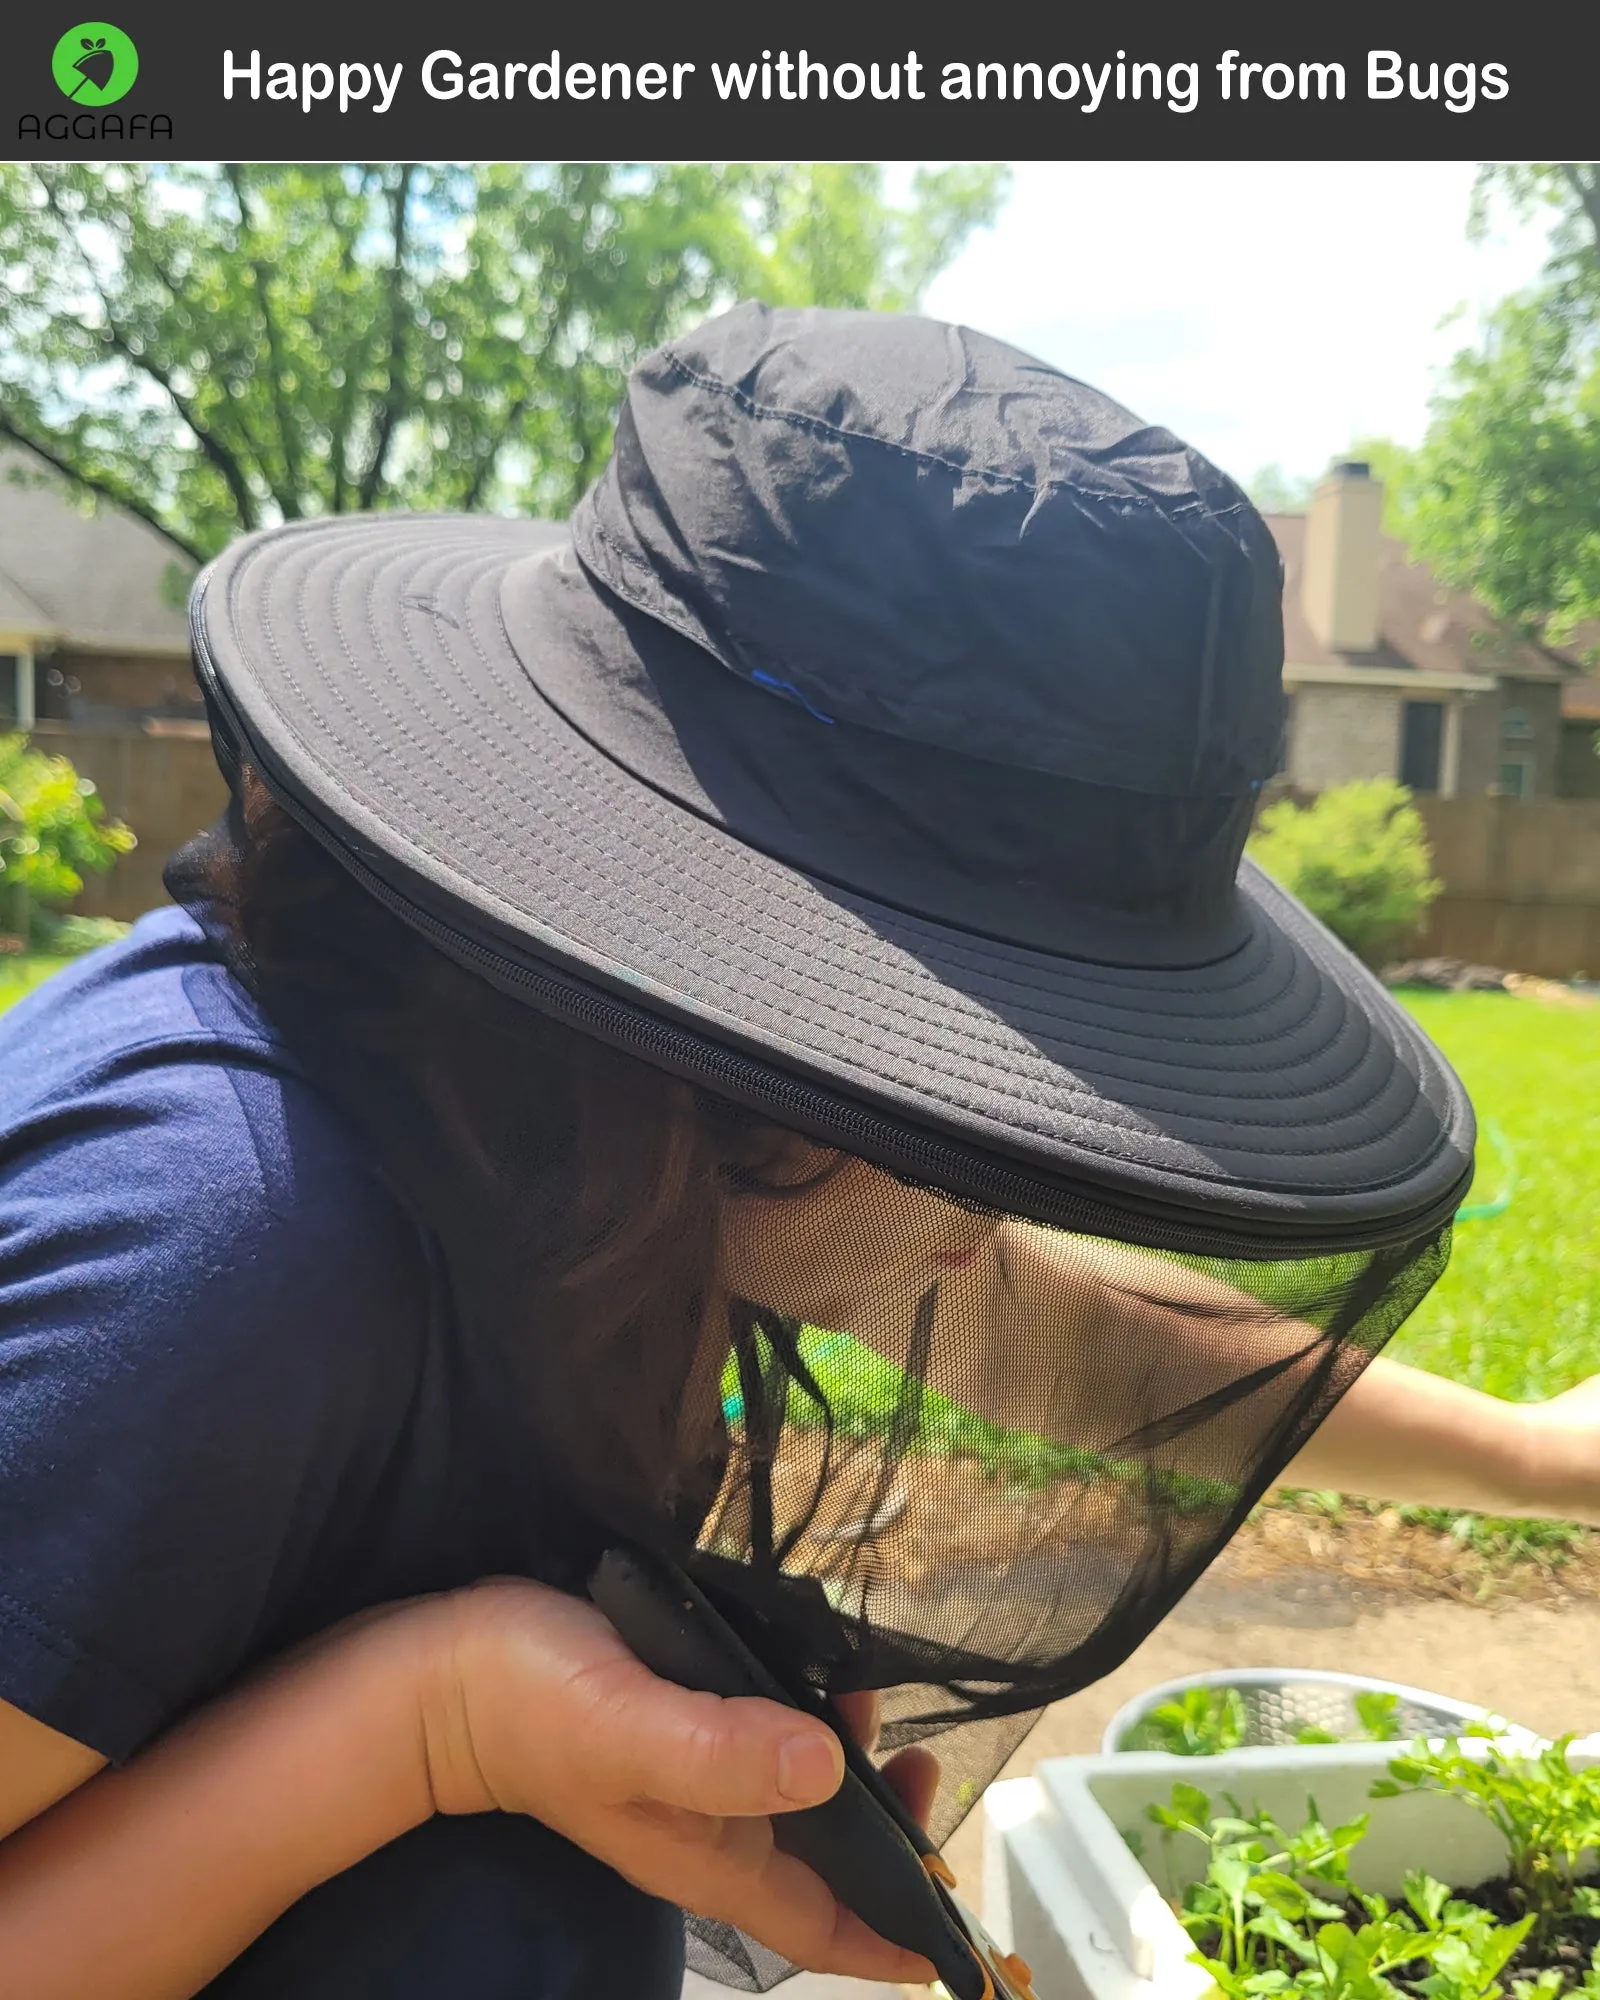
(232, 1407)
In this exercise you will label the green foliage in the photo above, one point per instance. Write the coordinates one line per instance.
(1379, 1716)
(21, 972)
(1505, 489)
(1568, 192)
(219, 345)
(1277, 1914)
(1357, 857)
(69, 936)
(1547, 1813)
(53, 829)
(1206, 1721)
(1201, 1722)
(1396, 466)
(1275, 491)
(1491, 1536)
(1503, 497)
(1547, 1543)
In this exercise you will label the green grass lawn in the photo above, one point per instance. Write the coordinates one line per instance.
(1518, 1312)
(20, 973)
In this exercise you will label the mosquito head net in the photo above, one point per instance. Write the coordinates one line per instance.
(965, 1453)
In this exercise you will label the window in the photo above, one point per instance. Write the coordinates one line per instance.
(1421, 734)
(1516, 777)
(1515, 726)
(8, 689)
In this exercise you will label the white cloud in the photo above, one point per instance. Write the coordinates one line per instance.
(1265, 311)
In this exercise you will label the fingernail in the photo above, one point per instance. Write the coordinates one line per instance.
(810, 1766)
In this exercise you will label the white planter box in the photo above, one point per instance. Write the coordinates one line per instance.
(1063, 1888)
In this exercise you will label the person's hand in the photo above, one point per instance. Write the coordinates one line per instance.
(531, 1703)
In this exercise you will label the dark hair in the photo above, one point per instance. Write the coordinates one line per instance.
(575, 1191)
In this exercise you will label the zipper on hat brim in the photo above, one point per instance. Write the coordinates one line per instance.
(890, 1140)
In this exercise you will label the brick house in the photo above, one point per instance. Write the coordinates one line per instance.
(1389, 674)
(94, 663)
(92, 629)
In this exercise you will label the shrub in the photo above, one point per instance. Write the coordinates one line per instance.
(53, 830)
(1357, 857)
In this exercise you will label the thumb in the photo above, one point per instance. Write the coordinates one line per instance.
(743, 1756)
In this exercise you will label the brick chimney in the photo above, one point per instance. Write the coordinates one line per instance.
(1339, 574)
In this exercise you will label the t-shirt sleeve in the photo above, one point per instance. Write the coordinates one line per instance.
(211, 1321)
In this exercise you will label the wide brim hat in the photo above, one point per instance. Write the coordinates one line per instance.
(877, 744)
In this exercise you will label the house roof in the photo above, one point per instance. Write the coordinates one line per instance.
(91, 580)
(1422, 627)
(20, 617)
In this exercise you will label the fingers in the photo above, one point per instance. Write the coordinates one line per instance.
(743, 1757)
(862, 1715)
(914, 1774)
(793, 1912)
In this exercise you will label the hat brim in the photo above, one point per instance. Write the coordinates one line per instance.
(367, 665)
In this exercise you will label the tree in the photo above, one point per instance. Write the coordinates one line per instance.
(1503, 496)
(220, 346)
(1572, 189)
(1275, 491)
(1396, 466)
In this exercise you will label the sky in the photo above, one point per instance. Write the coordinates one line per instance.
(1266, 313)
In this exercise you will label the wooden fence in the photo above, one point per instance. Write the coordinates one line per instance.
(1522, 877)
(1521, 884)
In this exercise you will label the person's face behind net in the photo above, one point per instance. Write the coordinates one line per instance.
(973, 1459)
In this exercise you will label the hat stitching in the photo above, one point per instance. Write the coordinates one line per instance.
(582, 780)
(961, 1032)
(803, 420)
(1012, 982)
(656, 603)
(971, 1034)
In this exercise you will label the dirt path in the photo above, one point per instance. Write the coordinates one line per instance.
(1535, 1663)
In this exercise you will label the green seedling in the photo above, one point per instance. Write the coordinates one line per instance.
(1277, 1916)
(1547, 1813)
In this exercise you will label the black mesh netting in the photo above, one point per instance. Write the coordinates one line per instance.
(973, 1460)
(905, 1441)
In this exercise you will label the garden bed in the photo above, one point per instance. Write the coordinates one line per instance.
(1343, 1872)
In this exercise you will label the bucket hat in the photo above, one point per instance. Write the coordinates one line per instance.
(877, 742)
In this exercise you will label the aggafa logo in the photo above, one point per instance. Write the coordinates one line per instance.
(94, 64)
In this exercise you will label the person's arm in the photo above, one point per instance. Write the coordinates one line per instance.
(1141, 1335)
(146, 1881)
(37, 1766)
(1407, 1436)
